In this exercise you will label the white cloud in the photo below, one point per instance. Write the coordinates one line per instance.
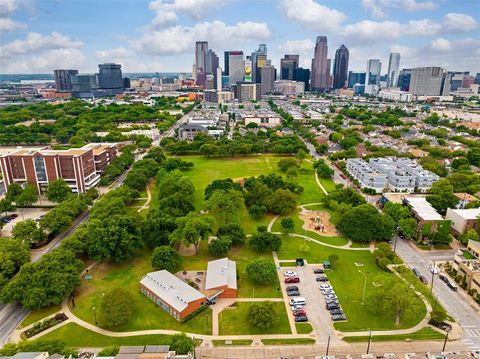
(441, 44)
(7, 24)
(117, 53)
(181, 39)
(368, 31)
(425, 27)
(7, 8)
(167, 11)
(454, 22)
(297, 46)
(379, 8)
(59, 58)
(312, 15)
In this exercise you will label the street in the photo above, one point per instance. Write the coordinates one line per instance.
(457, 307)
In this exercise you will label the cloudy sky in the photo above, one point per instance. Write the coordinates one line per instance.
(159, 35)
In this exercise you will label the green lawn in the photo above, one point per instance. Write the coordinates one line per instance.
(147, 314)
(235, 321)
(328, 184)
(232, 343)
(311, 191)
(303, 328)
(76, 336)
(348, 284)
(426, 333)
(288, 341)
(36, 315)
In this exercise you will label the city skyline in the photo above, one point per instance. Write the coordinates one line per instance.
(159, 36)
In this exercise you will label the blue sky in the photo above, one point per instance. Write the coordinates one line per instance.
(159, 35)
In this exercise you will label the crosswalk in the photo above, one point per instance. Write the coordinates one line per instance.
(471, 339)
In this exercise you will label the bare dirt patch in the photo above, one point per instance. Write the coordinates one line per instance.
(318, 222)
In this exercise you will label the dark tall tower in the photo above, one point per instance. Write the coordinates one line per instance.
(340, 67)
(201, 48)
(226, 63)
(288, 65)
(320, 70)
(301, 74)
(62, 79)
(110, 78)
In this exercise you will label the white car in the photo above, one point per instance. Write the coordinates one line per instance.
(330, 296)
(297, 306)
(290, 273)
(434, 269)
(325, 286)
(328, 292)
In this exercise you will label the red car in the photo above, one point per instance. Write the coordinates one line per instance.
(301, 312)
(292, 280)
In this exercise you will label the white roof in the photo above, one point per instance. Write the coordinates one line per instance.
(221, 272)
(423, 208)
(172, 290)
(470, 213)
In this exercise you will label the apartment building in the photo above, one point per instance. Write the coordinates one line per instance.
(463, 219)
(79, 167)
(261, 118)
(368, 176)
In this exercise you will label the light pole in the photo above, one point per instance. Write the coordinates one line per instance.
(433, 276)
(328, 345)
(94, 315)
(364, 285)
(445, 341)
(369, 340)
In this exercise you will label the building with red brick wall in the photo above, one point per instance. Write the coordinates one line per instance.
(79, 167)
(222, 277)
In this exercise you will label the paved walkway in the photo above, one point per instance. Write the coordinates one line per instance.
(320, 184)
(149, 199)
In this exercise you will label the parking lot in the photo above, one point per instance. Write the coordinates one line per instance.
(23, 213)
(318, 316)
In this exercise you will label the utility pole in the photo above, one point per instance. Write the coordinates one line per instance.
(445, 341)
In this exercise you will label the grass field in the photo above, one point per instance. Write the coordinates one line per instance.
(36, 315)
(287, 341)
(348, 284)
(235, 321)
(328, 184)
(232, 343)
(426, 333)
(76, 336)
(303, 328)
(147, 315)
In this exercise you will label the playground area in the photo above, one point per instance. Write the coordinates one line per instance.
(318, 222)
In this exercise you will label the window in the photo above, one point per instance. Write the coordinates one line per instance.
(40, 169)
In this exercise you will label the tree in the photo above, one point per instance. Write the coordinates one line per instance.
(346, 195)
(470, 235)
(323, 170)
(116, 308)
(233, 231)
(220, 184)
(391, 298)
(288, 224)
(14, 255)
(6, 206)
(157, 227)
(220, 247)
(282, 202)
(28, 196)
(265, 241)
(262, 271)
(28, 231)
(257, 211)
(333, 258)
(156, 154)
(396, 211)
(181, 344)
(166, 257)
(14, 190)
(364, 224)
(191, 229)
(263, 314)
(408, 227)
(442, 197)
(114, 238)
(58, 191)
(286, 164)
(45, 282)
(227, 204)
(473, 156)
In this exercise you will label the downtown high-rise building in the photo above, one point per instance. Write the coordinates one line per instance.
(403, 82)
(374, 69)
(110, 78)
(320, 69)
(288, 65)
(268, 77)
(355, 77)
(236, 66)
(393, 69)
(302, 75)
(259, 59)
(340, 67)
(63, 79)
(429, 81)
(201, 49)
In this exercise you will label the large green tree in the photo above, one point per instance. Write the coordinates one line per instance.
(28, 231)
(14, 255)
(227, 204)
(157, 227)
(58, 191)
(28, 196)
(396, 211)
(265, 241)
(166, 257)
(262, 271)
(193, 228)
(233, 231)
(442, 197)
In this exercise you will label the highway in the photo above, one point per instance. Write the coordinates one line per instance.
(11, 315)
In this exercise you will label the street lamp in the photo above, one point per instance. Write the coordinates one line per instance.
(364, 285)
(94, 315)
(445, 341)
(433, 276)
(328, 345)
(369, 340)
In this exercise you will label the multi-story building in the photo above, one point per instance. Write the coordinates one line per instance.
(262, 119)
(356, 78)
(429, 81)
(235, 66)
(201, 48)
(303, 75)
(374, 69)
(340, 67)
(259, 59)
(288, 65)
(469, 269)
(62, 79)
(287, 87)
(110, 78)
(79, 167)
(403, 81)
(268, 76)
(320, 67)
(84, 85)
(247, 91)
(463, 219)
(366, 174)
(393, 69)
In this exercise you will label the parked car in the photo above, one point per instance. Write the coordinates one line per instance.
(5, 220)
(452, 286)
(300, 300)
(443, 277)
(292, 280)
(318, 270)
(13, 215)
(337, 311)
(297, 306)
(332, 301)
(296, 313)
(331, 306)
(416, 272)
(331, 296)
(301, 318)
(300, 262)
(434, 269)
(325, 286)
(326, 292)
(423, 279)
(293, 293)
(321, 278)
(292, 287)
(338, 317)
(290, 273)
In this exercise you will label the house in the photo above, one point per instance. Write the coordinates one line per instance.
(422, 210)
(469, 271)
(172, 294)
(222, 277)
(463, 219)
(465, 198)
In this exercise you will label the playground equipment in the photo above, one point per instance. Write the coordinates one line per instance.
(317, 223)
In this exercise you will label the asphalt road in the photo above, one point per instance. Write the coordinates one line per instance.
(11, 315)
(452, 301)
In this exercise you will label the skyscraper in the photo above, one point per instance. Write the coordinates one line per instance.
(211, 64)
(429, 81)
(62, 79)
(404, 79)
(84, 85)
(236, 66)
(201, 48)
(303, 75)
(374, 68)
(356, 78)
(320, 71)
(218, 79)
(262, 50)
(288, 65)
(110, 78)
(340, 67)
(477, 79)
(226, 65)
(393, 69)
(268, 76)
